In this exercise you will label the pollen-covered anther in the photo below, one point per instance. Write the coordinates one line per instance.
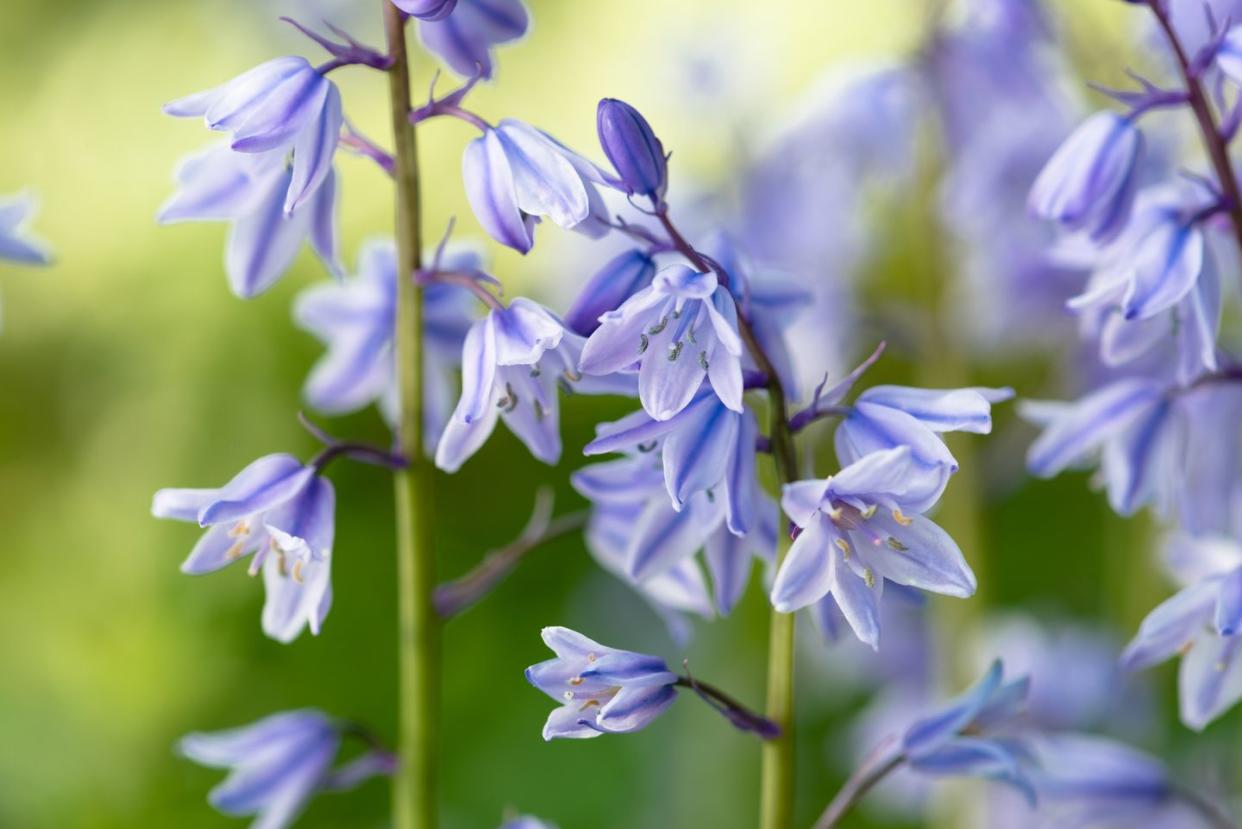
(591, 657)
(843, 546)
(568, 695)
(239, 529)
(643, 342)
(894, 544)
(868, 512)
(674, 351)
(901, 519)
(297, 571)
(703, 360)
(235, 552)
(658, 327)
(869, 577)
(575, 681)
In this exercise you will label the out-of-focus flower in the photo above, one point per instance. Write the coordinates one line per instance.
(465, 38)
(885, 417)
(16, 243)
(601, 690)
(634, 150)
(430, 10)
(678, 331)
(280, 106)
(514, 174)
(356, 320)
(278, 763)
(282, 513)
(248, 191)
(1089, 183)
(527, 822)
(619, 279)
(1202, 623)
(855, 535)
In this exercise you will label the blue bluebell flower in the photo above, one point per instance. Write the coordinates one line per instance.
(356, 320)
(16, 243)
(973, 736)
(1089, 183)
(466, 37)
(1129, 427)
(281, 513)
(426, 9)
(277, 764)
(885, 417)
(619, 279)
(634, 150)
(514, 174)
(678, 331)
(855, 535)
(601, 690)
(282, 106)
(1202, 623)
(248, 191)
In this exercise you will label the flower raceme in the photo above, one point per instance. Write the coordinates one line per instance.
(602, 690)
(281, 513)
(282, 106)
(278, 763)
(676, 332)
(1089, 183)
(855, 535)
(514, 174)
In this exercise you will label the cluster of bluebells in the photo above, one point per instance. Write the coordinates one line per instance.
(1159, 245)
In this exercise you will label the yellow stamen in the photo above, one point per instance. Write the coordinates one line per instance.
(901, 519)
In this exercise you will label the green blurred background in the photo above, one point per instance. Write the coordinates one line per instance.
(128, 366)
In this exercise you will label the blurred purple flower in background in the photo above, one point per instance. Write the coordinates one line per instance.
(16, 242)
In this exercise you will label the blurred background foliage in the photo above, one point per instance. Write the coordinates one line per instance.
(128, 366)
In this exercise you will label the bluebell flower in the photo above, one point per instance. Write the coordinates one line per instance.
(972, 736)
(619, 279)
(514, 174)
(356, 320)
(885, 417)
(277, 764)
(248, 191)
(634, 150)
(527, 822)
(281, 513)
(1089, 183)
(282, 106)
(465, 39)
(426, 9)
(678, 331)
(601, 690)
(855, 534)
(1202, 623)
(16, 243)
(1129, 427)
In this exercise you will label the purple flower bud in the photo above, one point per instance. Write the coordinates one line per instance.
(621, 278)
(426, 9)
(1089, 183)
(632, 147)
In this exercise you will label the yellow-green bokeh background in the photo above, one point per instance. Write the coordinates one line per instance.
(128, 366)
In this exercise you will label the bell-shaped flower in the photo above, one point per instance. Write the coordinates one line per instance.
(16, 242)
(855, 534)
(972, 736)
(356, 320)
(426, 9)
(634, 150)
(465, 38)
(678, 331)
(619, 279)
(1089, 183)
(514, 174)
(278, 763)
(1203, 624)
(885, 417)
(282, 106)
(248, 191)
(601, 690)
(1129, 427)
(281, 513)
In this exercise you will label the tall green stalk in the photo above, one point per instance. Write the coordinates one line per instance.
(414, 786)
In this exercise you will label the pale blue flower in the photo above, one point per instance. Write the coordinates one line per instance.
(675, 333)
(514, 174)
(856, 534)
(280, 512)
(465, 38)
(278, 763)
(601, 690)
(248, 192)
(282, 106)
(16, 242)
